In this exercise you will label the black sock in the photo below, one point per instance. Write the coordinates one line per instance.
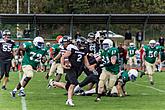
(18, 86)
(98, 95)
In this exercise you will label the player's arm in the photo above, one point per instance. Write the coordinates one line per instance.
(86, 62)
(65, 55)
(57, 57)
(119, 88)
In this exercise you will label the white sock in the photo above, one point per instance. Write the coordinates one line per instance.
(15, 90)
(22, 88)
(69, 100)
(77, 88)
(92, 91)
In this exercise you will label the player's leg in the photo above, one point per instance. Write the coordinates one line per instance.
(112, 81)
(2, 70)
(7, 70)
(52, 70)
(130, 62)
(135, 61)
(72, 78)
(60, 72)
(103, 78)
(150, 70)
(28, 74)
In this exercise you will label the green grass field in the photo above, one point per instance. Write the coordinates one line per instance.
(143, 96)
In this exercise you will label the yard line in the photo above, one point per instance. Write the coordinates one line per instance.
(23, 101)
(151, 87)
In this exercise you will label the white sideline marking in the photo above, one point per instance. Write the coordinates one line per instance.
(23, 101)
(151, 87)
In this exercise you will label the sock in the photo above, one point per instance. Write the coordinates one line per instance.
(77, 88)
(98, 95)
(92, 91)
(22, 88)
(15, 90)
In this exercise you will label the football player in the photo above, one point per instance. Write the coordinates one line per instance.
(58, 50)
(110, 56)
(32, 57)
(76, 57)
(6, 55)
(151, 53)
(92, 46)
(162, 56)
(131, 54)
(124, 77)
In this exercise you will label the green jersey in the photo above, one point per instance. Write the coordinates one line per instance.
(106, 56)
(32, 55)
(124, 77)
(162, 54)
(131, 51)
(114, 52)
(151, 54)
(56, 50)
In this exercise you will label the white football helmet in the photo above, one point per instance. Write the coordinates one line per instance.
(133, 74)
(6, 34)
(132, 44)
(107, 43)
(48, 44)
(152, 43)
(38, 42)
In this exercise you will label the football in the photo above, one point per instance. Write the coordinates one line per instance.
(67, 63)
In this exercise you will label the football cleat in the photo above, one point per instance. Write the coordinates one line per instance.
(70, 103)
(12, 93)
(152, 82)
(97, 99)
(47, 76)
(21, 93)
(3, 88)
(141, 74)
(50, 83)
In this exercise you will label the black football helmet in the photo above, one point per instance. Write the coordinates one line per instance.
(81, 42)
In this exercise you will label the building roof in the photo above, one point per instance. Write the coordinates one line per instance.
(82, 18)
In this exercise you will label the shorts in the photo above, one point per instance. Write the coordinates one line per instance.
(28, 70)
(71, 76)
(5, 68)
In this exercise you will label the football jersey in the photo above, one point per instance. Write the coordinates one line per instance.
(162, 54)
(123, 78)
(32, 55)
(76, 58)
(6, 49)
(93, 47)
(56, 49)
(106, 55)
(131, 51)
(151, 54)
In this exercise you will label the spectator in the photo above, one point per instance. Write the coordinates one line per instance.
(77, 35)
(128, 37)
(161, 41)
(26, 33)
(121, 53)
(139, 39)
(125, 56)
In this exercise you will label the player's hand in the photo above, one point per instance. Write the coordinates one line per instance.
(66, 66)
(91, 67)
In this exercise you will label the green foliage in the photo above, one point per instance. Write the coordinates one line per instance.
(87, 6)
